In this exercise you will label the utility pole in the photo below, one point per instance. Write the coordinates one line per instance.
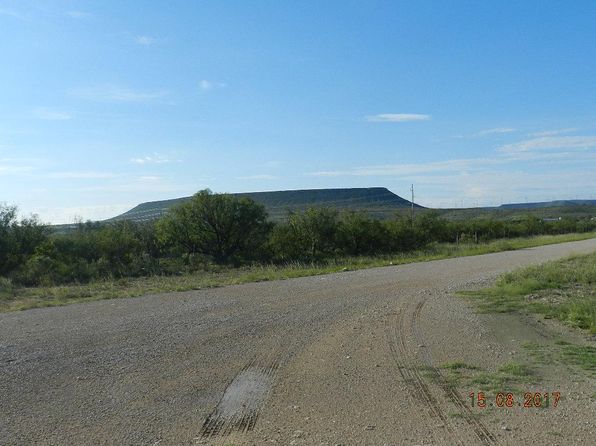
(412, 190)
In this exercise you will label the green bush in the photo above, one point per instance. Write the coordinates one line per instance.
(18, 239)
(221, 226)
(358, 234)
(215, 229)
(309, 235)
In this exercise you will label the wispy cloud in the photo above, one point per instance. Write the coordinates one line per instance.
(111, 93)
(411, 169)
(496, 187)
(553, 132)
(551, 143)
(78, 14)
(258, 177)
(144, 40)
(459, 165)
(485, 181)
(206, 85)
(398, 117)
(145, 184)
(80, 175)
(49, 114)
(487, 132)
(16, 166)
(498, 130)
(151, 159)
(76, 214)
(12, 13)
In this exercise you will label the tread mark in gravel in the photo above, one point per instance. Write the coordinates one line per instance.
(239, 407)
(409, 372)
(484, 435)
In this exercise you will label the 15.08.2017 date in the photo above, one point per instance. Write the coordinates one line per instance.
(508, 399)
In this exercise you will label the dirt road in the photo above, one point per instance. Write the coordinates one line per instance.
(351, 358)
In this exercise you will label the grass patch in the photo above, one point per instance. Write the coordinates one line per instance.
(507, 378)
(458, 365)
(540, 353)
(457, 372)
(582, 356)
(14, 299)
(515, 369)
(562, 351)
(563, 289)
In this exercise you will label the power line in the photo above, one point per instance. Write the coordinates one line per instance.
(412, 189)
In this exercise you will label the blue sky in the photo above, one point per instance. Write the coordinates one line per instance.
(105, 104)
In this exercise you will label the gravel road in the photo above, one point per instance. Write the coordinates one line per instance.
(348, 358)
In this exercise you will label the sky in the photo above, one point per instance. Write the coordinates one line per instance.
(106, 104)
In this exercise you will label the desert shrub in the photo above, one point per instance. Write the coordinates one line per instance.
(221, 226)
(402, 236)
(18, 239)
(215, 229)
(359, 234)
(309, 235)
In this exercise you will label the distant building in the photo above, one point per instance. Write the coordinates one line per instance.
(551, 219)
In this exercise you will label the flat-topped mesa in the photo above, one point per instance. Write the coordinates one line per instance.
(377, 201)
(548, 204)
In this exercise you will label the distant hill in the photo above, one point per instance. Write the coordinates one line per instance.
(549, 204)
(377, 201)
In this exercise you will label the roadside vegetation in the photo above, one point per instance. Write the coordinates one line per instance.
(219, 239)
(563, 289)
(509, 376)
(583, 356)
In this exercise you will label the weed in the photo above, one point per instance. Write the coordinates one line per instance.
(564, 290)
(582, 356)
(515, 369)
(457, 365)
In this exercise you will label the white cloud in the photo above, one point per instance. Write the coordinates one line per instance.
(487, 132)
(410, 169)
(466, 183)
(144, 40)
(206, 85)
(550, 143)
(153, 159)
(80, 175)
(49, 114)
(258, 177)
(141, 184)
(398, 117)
(11, 13)
(553, 132)
(496, 187)
(19, 166)
(111, 93)
(517, 172)
(78, 14)
(9, 168)
(75, 214)
(497, 130)
(459, 165)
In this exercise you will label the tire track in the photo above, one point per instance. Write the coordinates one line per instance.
(412, 377)
(484, 435)
(242, 401)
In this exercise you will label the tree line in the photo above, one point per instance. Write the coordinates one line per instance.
(220, 229)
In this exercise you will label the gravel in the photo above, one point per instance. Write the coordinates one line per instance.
(317, 360)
